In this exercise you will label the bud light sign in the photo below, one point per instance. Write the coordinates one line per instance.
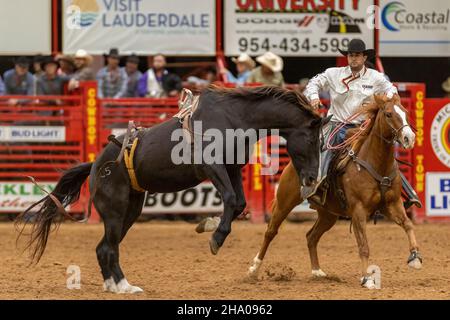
(438, 194)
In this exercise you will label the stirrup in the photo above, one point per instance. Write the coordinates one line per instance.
(410, 202)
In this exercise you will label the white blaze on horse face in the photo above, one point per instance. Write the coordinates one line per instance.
(407, 135)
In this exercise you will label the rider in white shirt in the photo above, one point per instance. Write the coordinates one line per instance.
(349, 86)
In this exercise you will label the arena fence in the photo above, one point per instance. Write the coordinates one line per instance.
(45, 135)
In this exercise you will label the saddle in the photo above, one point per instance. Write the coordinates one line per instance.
(128, 147)
(336, 168)
(187, 104)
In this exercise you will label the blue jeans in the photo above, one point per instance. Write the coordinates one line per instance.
(327, 154)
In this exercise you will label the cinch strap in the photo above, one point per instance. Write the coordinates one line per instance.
(128, 158)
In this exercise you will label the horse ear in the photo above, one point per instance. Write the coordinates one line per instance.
(321, 121)
(325, 120)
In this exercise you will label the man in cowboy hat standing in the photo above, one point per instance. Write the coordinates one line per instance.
(84, 72)
(111, 79)
(50, 82)
(349, 86)
(133, 73)
(244, 65)
(269, 73)
(18, 81)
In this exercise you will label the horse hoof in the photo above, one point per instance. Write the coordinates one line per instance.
(254, 268)
(213, 246)
(415, 264)
(122, 287)
(109, 285)
(368, 282)
(318, 273)
(415, 260)
(208, 225)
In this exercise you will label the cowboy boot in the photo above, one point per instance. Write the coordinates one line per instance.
(413, 199)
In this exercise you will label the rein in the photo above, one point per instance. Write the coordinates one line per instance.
(348, 141)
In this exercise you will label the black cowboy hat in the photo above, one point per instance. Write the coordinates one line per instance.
(39, 58)
(48, 60)
(113, 53)
(133, 58)
(22, 62)
(356, 46)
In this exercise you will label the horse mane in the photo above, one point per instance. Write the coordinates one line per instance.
(263, 92)
(370, 109)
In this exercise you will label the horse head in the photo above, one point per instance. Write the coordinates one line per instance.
(303, 146)
(395, 118)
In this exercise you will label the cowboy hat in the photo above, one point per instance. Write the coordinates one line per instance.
(67, 58)
(271, 61)
(244, 58)
(22, 62)
(356, 46)
(133, 58)
(82, 54)
(113, 53)
(446, 85)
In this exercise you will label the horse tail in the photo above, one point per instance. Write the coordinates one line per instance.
(66, 192)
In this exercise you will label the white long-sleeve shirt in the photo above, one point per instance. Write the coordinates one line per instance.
(347, 92)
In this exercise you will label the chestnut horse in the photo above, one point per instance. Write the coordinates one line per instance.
(371, 156)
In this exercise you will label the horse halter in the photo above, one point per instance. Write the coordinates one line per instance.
(395, 132)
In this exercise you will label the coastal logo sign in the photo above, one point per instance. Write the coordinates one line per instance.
(440, 135)
(396, 17)
(389, 13)
(82, 13)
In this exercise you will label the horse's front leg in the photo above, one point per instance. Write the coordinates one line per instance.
(359, 218)
(220, 179)
(396, 212)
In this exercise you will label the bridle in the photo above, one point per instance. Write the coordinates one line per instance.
(395, 132)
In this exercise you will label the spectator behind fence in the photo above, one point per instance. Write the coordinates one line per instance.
(66, 65)
(158, 82)
(446, 87)
(269, 72)
(2, 87)
(51, 83)
(37, 68)
(244, 65)
(112, 80)
(205, 78)
(84, 72)
(131, 68)
(18, 81)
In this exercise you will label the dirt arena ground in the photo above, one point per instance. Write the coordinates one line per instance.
(170, 261)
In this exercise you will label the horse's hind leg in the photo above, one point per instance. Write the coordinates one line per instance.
(118, 211)
(324, 222)
(287, 197)
(221, 180)
(396, 212)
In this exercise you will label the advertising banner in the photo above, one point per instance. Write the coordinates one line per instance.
(25, 27)
(296, 28)
(203, 198)
(32, 134)
(415, 28)
(175, 27)
(17, 196)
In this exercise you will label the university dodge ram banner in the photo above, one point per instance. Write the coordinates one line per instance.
(296, 27)
(175, 27)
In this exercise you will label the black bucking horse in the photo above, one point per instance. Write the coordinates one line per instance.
(119, 204)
